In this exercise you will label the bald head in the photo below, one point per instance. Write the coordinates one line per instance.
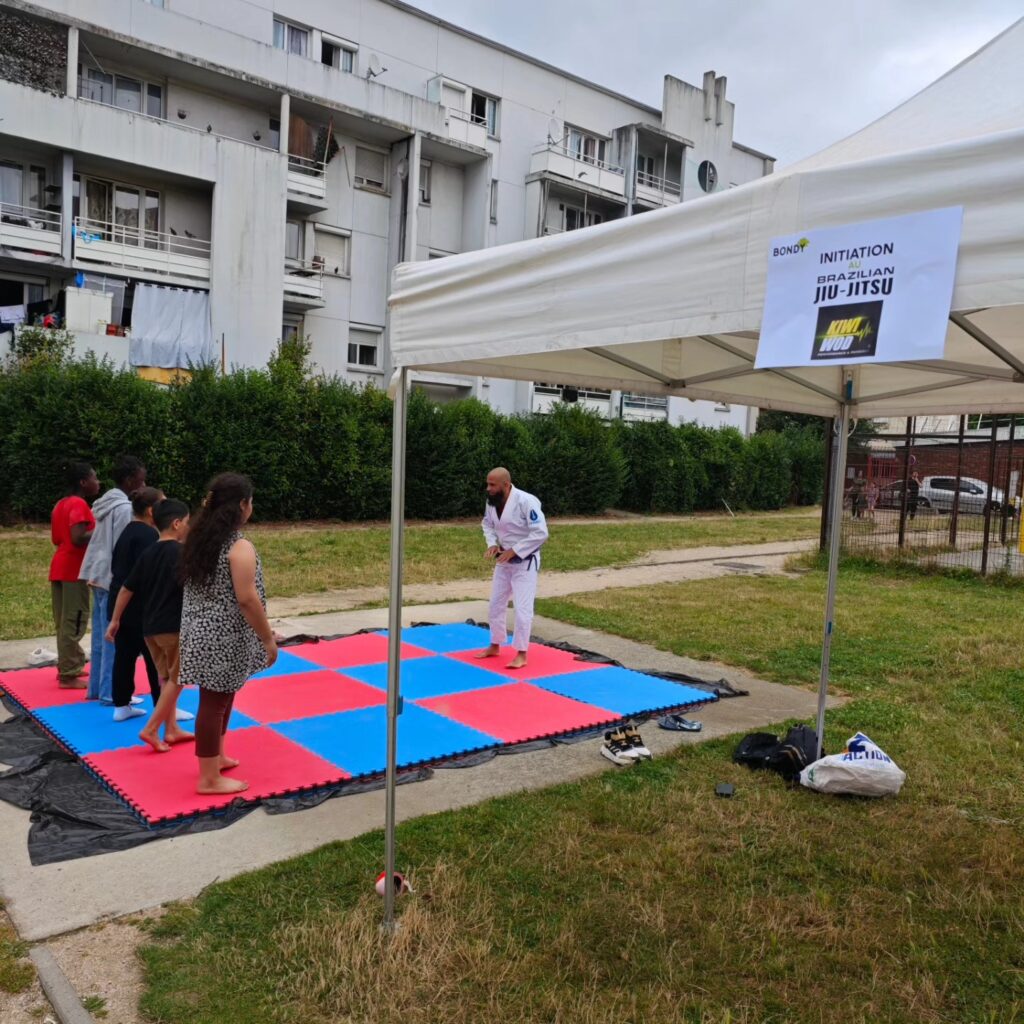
(499, 484)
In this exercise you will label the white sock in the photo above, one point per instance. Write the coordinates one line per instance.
(123, 714)
(136, 700)
(181, 715)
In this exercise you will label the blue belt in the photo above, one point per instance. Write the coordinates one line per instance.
(530, 559)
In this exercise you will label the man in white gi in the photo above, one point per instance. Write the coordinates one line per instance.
(515, 530)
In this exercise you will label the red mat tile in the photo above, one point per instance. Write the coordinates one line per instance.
(541, 661)
(516, 712)
(284, 698)
(352, 651)
(162, 786)
(37, 688)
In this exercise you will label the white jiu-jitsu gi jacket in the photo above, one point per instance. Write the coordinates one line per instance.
(521, 526)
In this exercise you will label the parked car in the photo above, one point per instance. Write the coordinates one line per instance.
(938, 492)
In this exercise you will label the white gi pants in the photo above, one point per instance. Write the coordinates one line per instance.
(517, 580)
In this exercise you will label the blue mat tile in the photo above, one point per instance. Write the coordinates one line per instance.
(356, 740)
(287, 664)
(429, 677)
(622, 690)
(89, 728)
(445, 639)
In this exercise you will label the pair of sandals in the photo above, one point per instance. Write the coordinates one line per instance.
(676, 723)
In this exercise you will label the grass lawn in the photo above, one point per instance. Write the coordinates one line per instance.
(637, 896)
(310, 559)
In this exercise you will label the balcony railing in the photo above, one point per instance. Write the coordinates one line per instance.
(307, 178)
(556, 158)
(304, 280)
(131, 248)
(466, 127)
(31, 230)
(659, 191)
(644, 407)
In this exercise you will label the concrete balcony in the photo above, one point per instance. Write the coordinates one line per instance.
(644, 408)
(654, 191)
(140, 253)
(557, 160)
(547, 396)
(464, 127)
(307, 184)
(32, 233)
(303, 284)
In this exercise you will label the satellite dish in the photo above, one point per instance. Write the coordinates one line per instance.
(374, 66)
(555, 131)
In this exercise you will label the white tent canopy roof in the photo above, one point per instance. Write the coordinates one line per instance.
(669, 302)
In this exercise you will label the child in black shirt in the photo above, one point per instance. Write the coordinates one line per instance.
(154, 579)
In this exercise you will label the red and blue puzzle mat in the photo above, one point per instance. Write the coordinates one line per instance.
(317, 717)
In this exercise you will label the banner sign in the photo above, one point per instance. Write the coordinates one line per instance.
(874, 292)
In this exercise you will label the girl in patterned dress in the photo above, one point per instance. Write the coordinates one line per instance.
(225, 634)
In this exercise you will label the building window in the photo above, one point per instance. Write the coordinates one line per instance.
(333, 250)
(645, 170)
(335, 55)
(425, 182)
(23, 185)
(291, 327)
(291, 38)
(494, 200)
(576, 218)
(293, 248)
(583, 146)
(274, 133)
(364, 348)
(371, 169)
(121, 91)
(484, 110)
(707, 176)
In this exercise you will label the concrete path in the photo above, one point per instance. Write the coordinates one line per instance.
(672, 566)
(52, 899)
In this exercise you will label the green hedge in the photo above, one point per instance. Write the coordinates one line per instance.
(319, 448)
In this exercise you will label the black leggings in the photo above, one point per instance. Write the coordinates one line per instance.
(212, 721)
(129, 644)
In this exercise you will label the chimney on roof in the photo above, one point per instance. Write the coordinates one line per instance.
(720, 100)
(709, 94)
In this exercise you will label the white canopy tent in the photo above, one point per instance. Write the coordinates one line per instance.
(670, 302)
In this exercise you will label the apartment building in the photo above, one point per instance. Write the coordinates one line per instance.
(186, 181)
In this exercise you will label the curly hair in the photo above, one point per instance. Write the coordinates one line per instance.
(219, 517)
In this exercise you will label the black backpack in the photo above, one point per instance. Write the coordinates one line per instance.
(788, 756)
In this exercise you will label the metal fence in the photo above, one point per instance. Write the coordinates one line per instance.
(946, 499)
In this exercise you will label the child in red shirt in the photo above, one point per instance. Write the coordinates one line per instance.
(71, 526)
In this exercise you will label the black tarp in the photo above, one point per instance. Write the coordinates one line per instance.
(74, 815)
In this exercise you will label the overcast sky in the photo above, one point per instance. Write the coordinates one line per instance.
(802, 73)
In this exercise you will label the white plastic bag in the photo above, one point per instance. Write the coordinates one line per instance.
(863, 769)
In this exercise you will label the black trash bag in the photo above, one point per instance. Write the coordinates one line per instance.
(788, 756)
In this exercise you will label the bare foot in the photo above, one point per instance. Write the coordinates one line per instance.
(491, 652)
(221, 785)
(228, 762)
(154, 741)
(519, 661)
(178, 736)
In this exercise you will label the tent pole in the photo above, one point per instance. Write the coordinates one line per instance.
(835, 532)
(394, 640)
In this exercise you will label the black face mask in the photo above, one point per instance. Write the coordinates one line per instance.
(495, 499)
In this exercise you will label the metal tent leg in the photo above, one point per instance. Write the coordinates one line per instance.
(394, 640)
(835, 532)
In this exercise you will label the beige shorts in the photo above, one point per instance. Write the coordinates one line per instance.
(164, 649)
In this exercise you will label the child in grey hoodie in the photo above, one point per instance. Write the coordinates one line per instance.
(113, 512)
